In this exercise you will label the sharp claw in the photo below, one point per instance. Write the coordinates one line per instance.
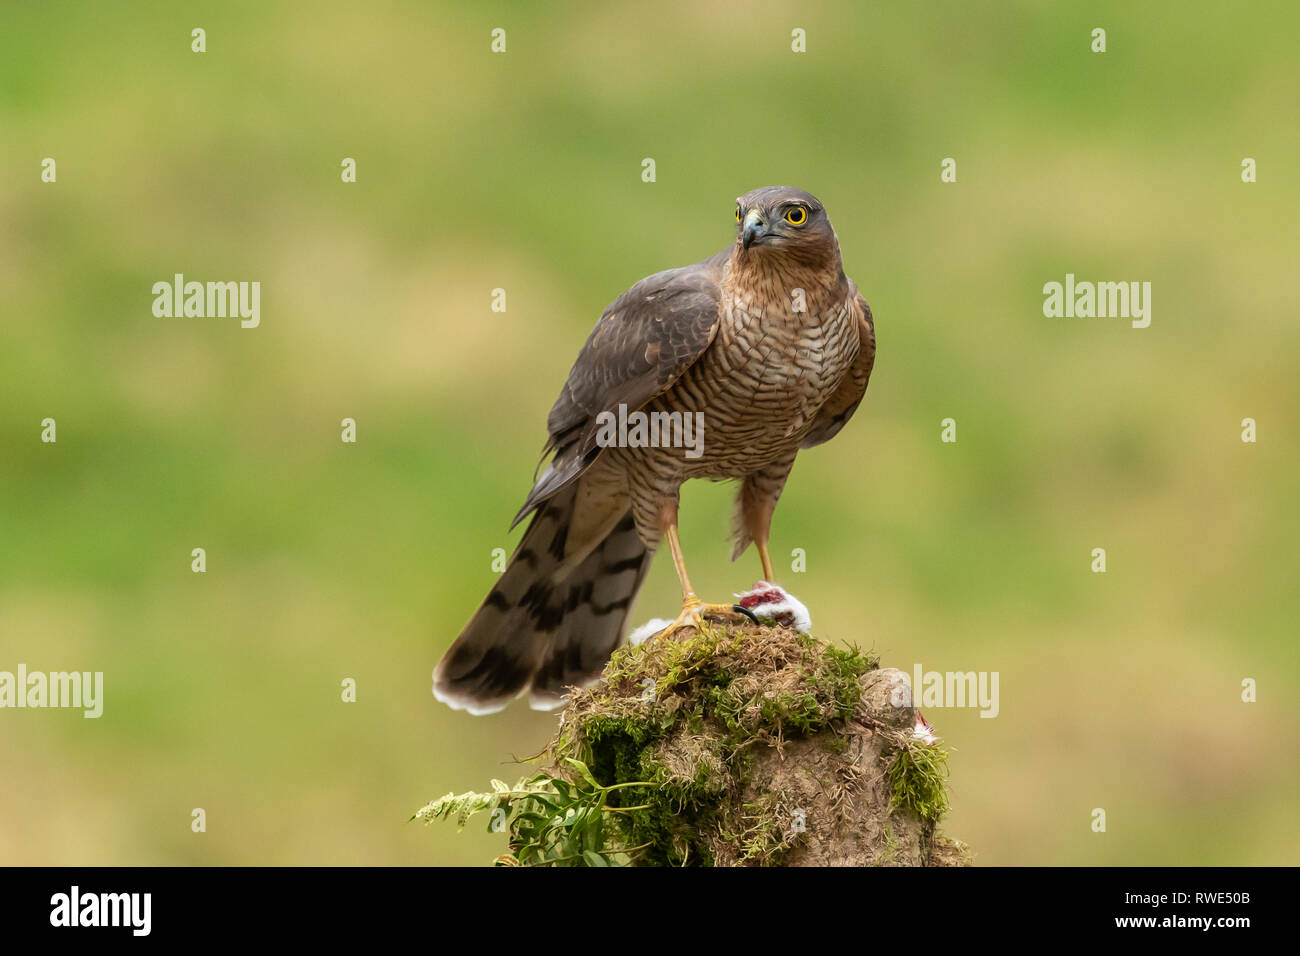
(694, 614)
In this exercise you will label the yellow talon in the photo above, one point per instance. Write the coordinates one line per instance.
(694, 613)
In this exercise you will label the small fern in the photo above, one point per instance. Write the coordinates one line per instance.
(550, 821)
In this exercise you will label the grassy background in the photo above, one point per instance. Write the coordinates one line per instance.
(522, 171)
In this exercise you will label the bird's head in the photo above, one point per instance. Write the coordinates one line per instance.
(786, 222)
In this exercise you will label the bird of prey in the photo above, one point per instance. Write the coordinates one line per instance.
(767, 345)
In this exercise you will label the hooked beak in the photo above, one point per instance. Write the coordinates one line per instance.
(753, 230)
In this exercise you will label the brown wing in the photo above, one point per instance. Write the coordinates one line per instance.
(839, 408)
(646, 339)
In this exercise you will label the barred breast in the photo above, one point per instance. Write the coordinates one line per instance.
(758, 386)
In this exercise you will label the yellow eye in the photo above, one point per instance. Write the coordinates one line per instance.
(796, 215)
(737, 214)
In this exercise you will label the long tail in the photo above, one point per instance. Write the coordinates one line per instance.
(543, 627)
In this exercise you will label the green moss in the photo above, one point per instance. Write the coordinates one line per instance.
(917, 778)
(612, 747)
(890, 849)
(761, 841)
(682, 714)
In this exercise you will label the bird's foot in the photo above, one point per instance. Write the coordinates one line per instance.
(695, 612)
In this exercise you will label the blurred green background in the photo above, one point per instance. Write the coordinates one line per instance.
(522, 171)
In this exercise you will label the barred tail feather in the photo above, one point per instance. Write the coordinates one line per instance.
(545, 625)
(600, 593)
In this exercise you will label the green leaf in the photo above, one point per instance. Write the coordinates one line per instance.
(594, 859)
(584, 772)
(591, 831)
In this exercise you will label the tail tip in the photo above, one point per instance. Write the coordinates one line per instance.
(546, 701)
(468, 703)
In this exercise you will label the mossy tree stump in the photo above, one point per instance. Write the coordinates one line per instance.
(758, 746)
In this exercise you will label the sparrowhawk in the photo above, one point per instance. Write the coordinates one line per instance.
(767, 345)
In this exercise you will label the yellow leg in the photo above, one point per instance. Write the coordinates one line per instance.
(693, 609)
(766, 559)
(756, 502)
(679, 562)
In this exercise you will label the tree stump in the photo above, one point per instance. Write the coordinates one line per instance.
(751, 745)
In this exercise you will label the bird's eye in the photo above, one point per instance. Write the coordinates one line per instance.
(737, 214)
(796, 215)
